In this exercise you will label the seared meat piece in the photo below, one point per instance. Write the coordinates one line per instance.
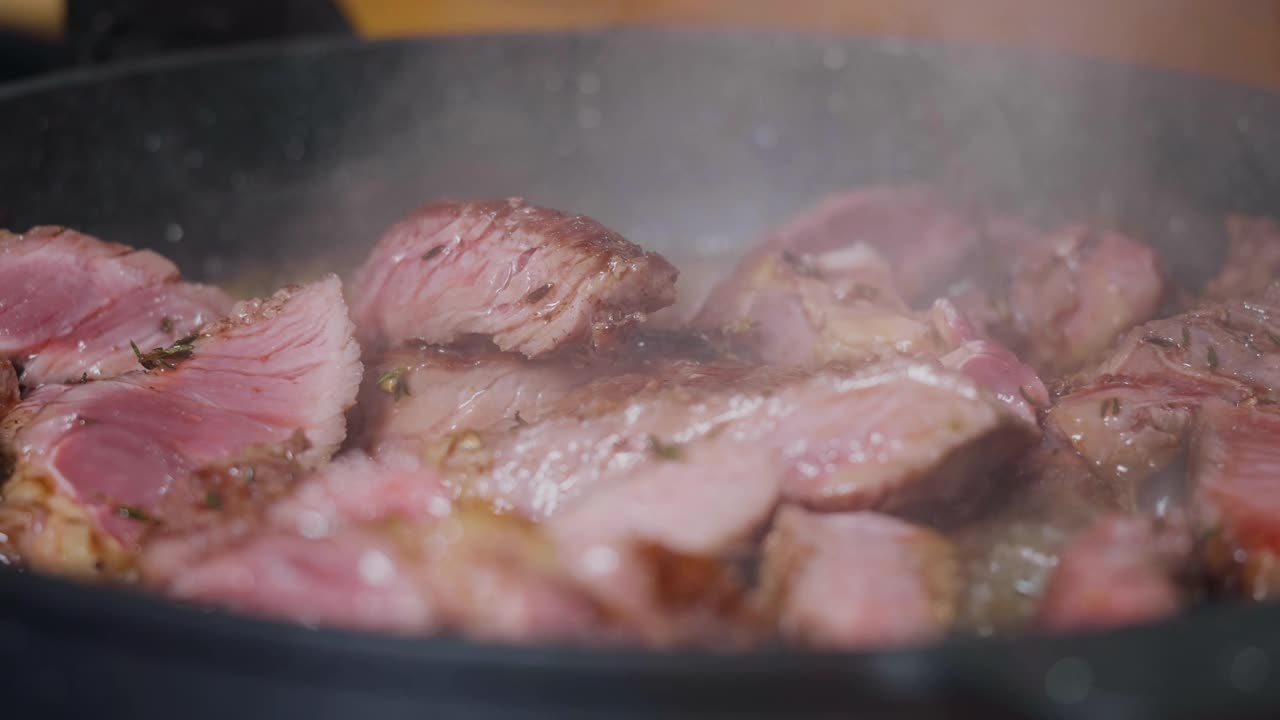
(1073, 292)
(1119, 572)
(531, 279)
(988, 363)
(426, 393)
(1253, 259)
(923, 237)
(651, 547)
(99, 461)
(1235, 472)
(1129, 417)
(899, 437)
(379, 545)
(857, 580)
(70, 304)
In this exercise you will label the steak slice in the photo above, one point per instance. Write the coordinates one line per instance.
(1130, 417)
(70, 304)
(899, 437)
(654, 549)
(531, 279)
(1119, 572)
(427, 393)
(1073, 292)
(1235, 470)
(377, 544)
(857, 580)
(921, 235)
(106, 456)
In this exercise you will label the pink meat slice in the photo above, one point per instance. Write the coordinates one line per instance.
(70, 304)
(857, 580)
(426, 393)
(1075, 291)
(377, 544)
(900, 437)
(1131, 416)
(1120, 572)
(1235, 471)
(607, 537)
(113, 450)
(922, 236)
(530, 278)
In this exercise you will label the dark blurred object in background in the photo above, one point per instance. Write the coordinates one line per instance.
(98, 31)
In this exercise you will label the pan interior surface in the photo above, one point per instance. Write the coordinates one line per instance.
(265, 166)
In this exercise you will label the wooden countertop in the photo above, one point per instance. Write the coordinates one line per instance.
(1230, 39)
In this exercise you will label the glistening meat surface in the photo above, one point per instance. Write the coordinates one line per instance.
(530, 278)
(900, 437)
(98, 459)
(70, 304)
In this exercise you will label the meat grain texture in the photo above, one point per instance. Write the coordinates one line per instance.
(531, 279)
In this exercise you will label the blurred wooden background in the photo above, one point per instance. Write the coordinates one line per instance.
(1231, 39)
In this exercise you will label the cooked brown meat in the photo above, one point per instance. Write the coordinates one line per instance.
(857, 580)
(531, 279)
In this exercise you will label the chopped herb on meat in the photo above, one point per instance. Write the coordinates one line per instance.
(133, 513)
(1163, 342)
(538, 293)
(166, 325)
(1186, 336)
(213, 500)
(392, 382)
(433, 252)
(165, 356)
(1212, 357)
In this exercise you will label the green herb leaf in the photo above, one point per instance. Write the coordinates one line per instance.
(163, 357)
(1212, 357)
(392, 382)
(433, 252)
(1163, 342)
(166, 324)
(213, 500)
(1186, 336)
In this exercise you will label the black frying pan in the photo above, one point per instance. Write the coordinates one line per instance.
(279, 162)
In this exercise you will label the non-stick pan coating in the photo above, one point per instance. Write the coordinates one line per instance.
(274, 163)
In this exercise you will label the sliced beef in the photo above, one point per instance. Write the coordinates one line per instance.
(1120, 572)
(70, 305)
(378, 544)
(1130, 416)
(654, 548)
(426, 393)
(811, 310)
(900, 437)
(922, 236)
(857, 580)
(1075, 291)
(531, 279)
(1235, 471)
(108, 456)
(1253, 259)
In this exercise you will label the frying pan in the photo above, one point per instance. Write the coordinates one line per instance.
(281, 161)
